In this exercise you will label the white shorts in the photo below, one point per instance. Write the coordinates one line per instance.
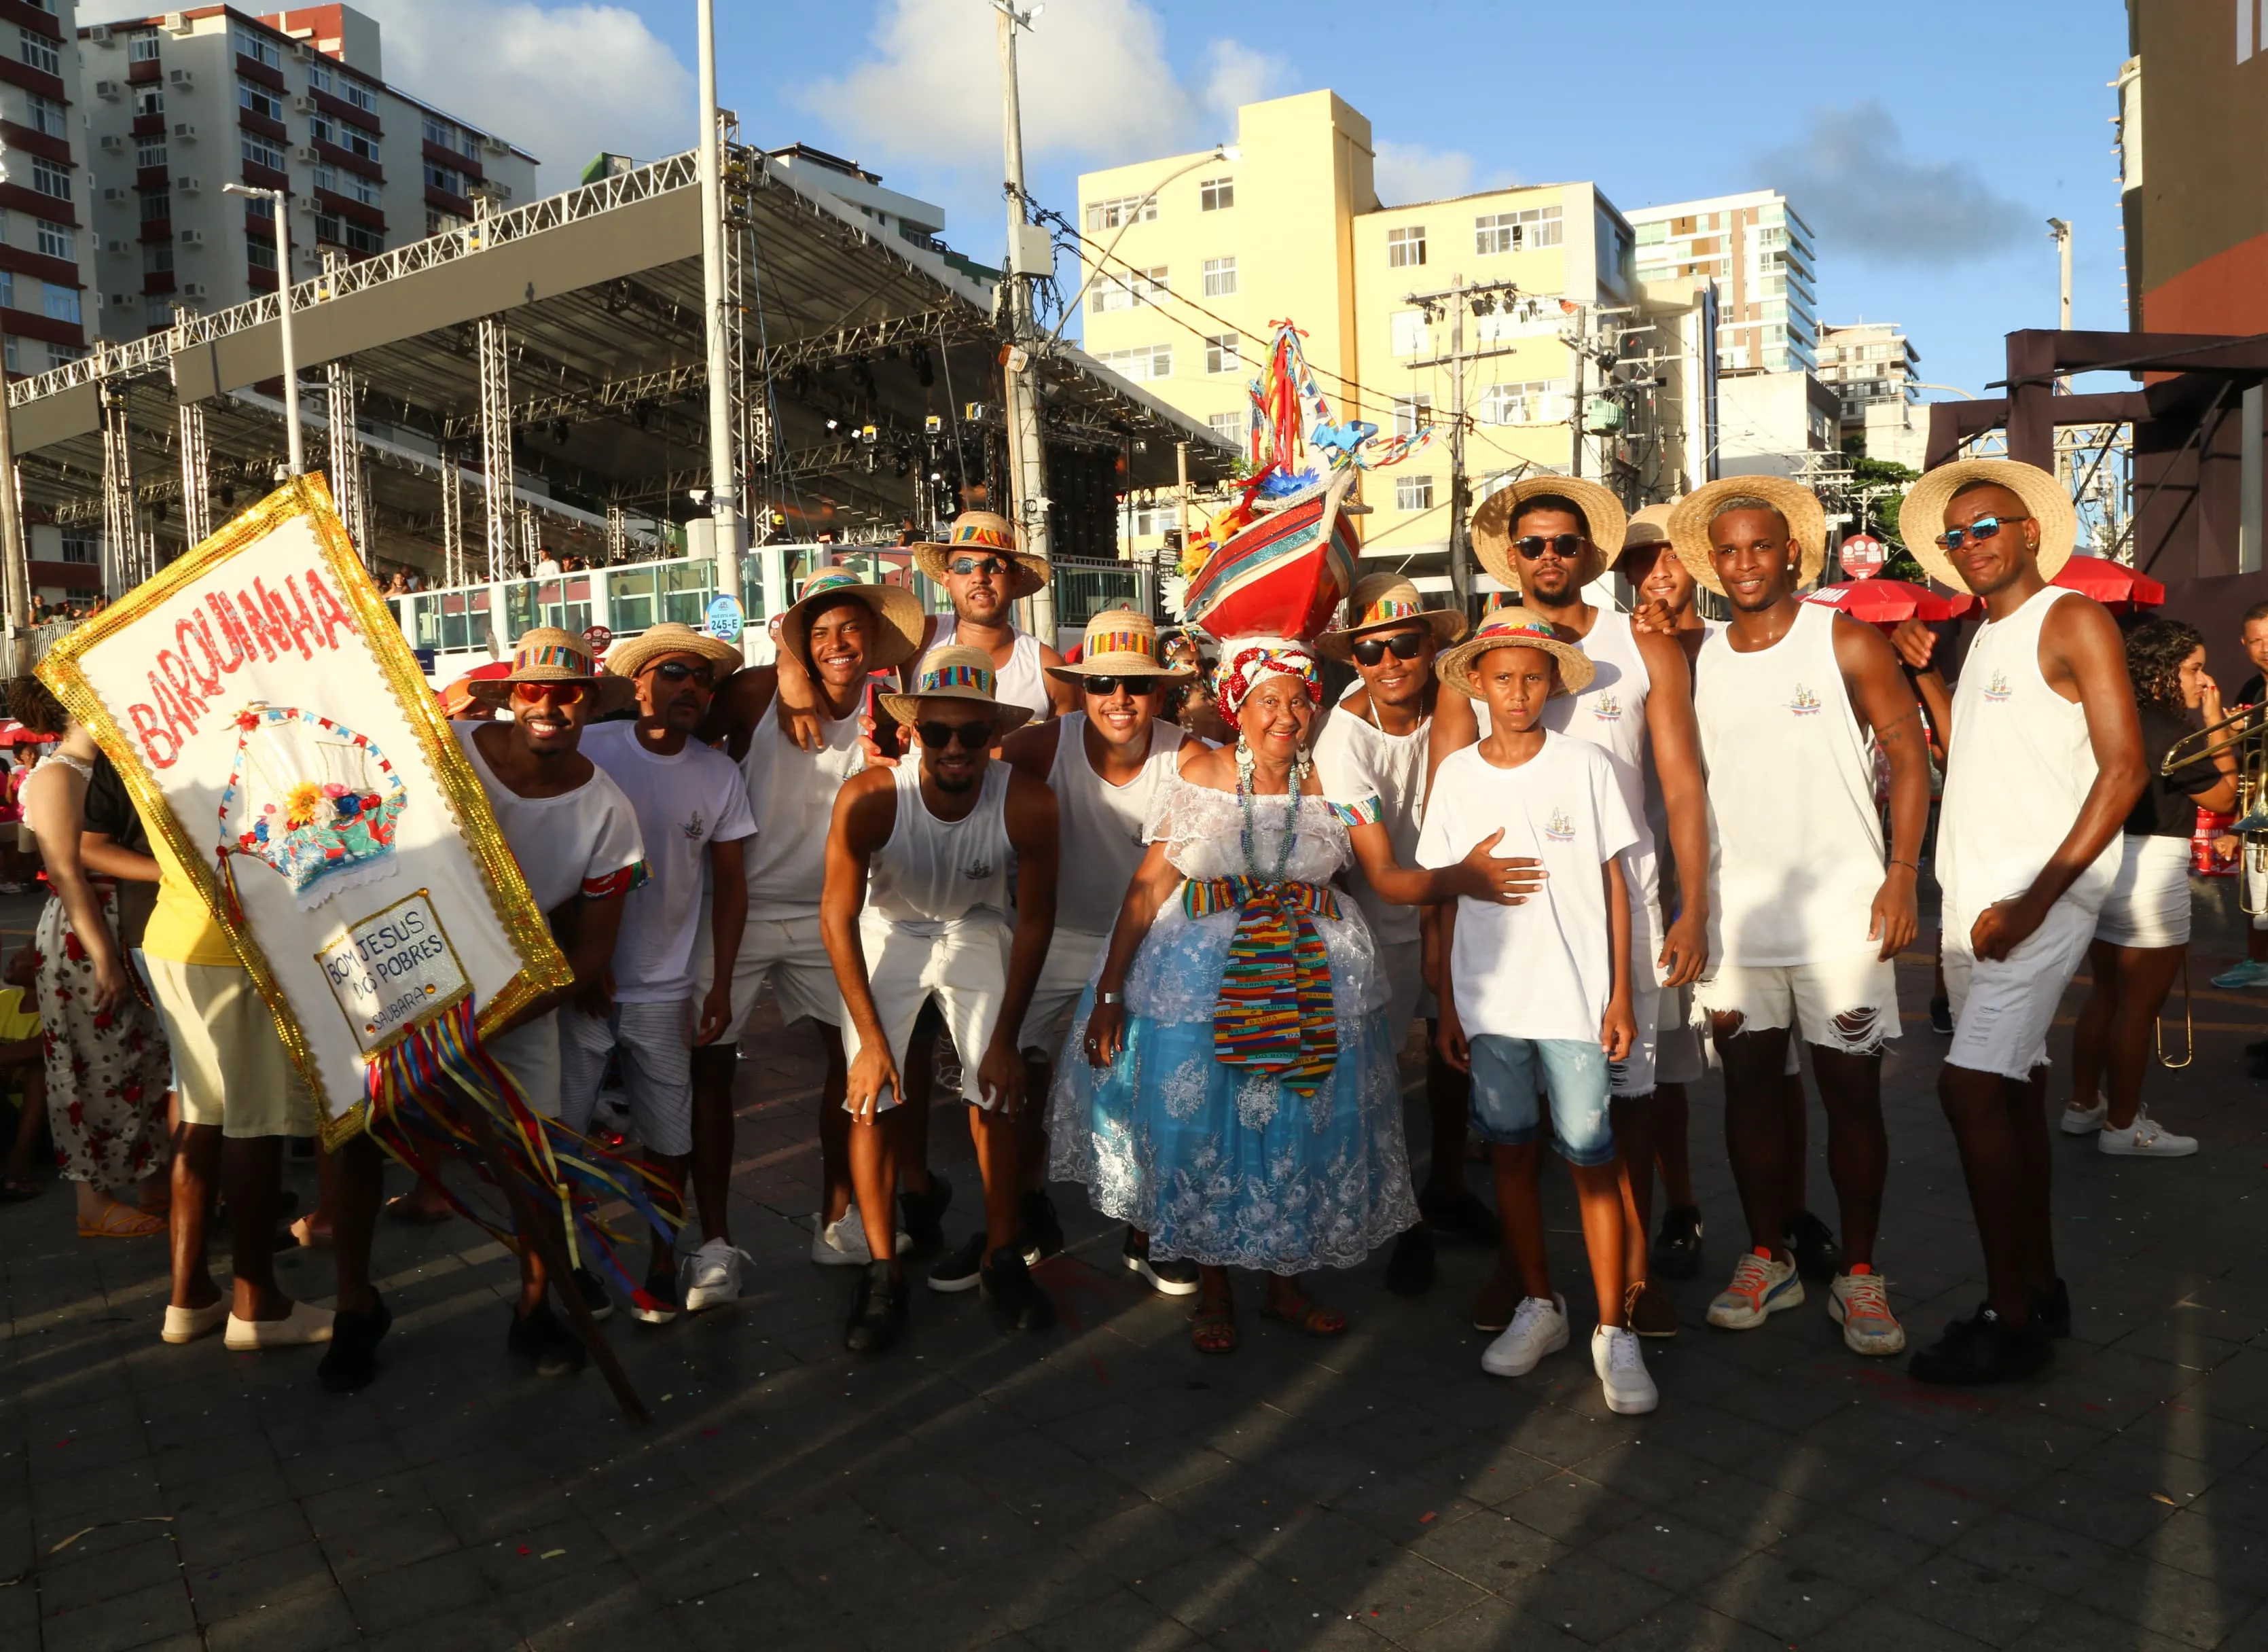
(2149, 904)
(1072, 955)
(2002, 1008)
(1849, 1003)
(1635, 1074)
(656, 1042)
(1680, 1056)
(530, 1054)
(789, 955)
(230, 1066)
(964, 970)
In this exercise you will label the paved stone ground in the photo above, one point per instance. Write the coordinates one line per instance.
(1104, 1487)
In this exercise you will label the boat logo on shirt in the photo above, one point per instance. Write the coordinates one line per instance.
(1561, 830)
(1607, 708)
(1805, 703)
(695, 828)
(1998, 689)
(981, 869)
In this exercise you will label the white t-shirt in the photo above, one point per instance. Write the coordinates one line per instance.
(684, 804)
(1544, 969)
(584, 841)
(1370, 775)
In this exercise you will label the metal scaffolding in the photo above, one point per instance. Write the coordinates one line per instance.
(196, 475)
(346, 478)
(496, 446)
(122, 537)
(618, 535)
(453, 571)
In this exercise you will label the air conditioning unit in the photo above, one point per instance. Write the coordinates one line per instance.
(108, 90)
(304, 203)
(118, 298)
(117, 198)
(305, 155)
(177, 22)
(303, 104)
(99, 33)
(114, 144)
(179, 79)
(121, 247)
(193, 289)
(186, 131)
(190, 238)
(186, 186)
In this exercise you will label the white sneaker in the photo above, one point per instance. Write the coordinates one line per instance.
(2085, 1121)
(712, 1275)
(1621, 1367)
(2145, 1139)
(842, 1244)
(1538, 1327)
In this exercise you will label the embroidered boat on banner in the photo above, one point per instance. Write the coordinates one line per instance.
(315, 801)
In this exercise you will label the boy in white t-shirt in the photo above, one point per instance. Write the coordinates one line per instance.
(1540, 993)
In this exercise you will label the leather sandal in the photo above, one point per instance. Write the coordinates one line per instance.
(121, 1221)
(1309, 1315)
(1212, 1328)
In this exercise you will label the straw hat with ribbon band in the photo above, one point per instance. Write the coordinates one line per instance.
(1510, 628)
(974, 533)
(1603, 514)
(1921, 519)
(896, 610)
(957, 671)
(1381, 601)
(1120, 642)
(1690, 516)
(629, 659)
(547, 654)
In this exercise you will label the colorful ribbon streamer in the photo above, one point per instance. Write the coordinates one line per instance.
(1274, 1013)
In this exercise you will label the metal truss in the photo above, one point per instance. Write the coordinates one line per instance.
(196, 474)
(614, 394)
(346, 477)
(955, 324)
(617, 532)
(453, 571)
(496, 445)
(123, 553)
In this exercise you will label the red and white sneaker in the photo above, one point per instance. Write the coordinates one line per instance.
(1762, 1286)
(1860, 1303)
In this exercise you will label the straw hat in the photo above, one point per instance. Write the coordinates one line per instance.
(1510, 628)
(1921, 519)
(1602, 515)
(629, 659)
(895, 609)
(547, 654)
(1381, 601)
(957, 671)
(983, 531)
(1689, 519)
(1119, 643)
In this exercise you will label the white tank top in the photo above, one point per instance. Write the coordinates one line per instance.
(1610, 714)
(2018, 769)
(1100, 825)
(1022, 681)
(792, 794)
(1795, 844)
(934, 876)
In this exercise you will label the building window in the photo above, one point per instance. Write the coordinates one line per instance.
(142, 48)
(56, 240)
(51, 178)
(1223, 353)
(320, 129)
(149, 101)
(259, 250)
(258, 99)
(1150, 520)
(368, 242)
(1123, 293)
(1230, 425)
(7, 293)
(355, 140)
(1405, 246)
(47, 116)
(259, 47)
(157, 311)
(60, 303)
(318, 77)
(1149, 361)
(1411, 336)
(149, 152)
(445, 178)
(1216, 194)
(39, 52)
(1532, 401)
(361, 96)
(157, 258)
(1514, 231)
(1219, 277)
(81, 545)
(1413, 493)
(156, 204)
(440, 132)
(258, 151)
(1132, 209)
(1412, 414)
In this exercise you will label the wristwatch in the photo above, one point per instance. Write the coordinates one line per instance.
(1109, 997)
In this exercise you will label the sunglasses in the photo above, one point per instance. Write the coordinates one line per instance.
(1983, 529)
(678, 671)
(556, 693)
(1566, 546)
(971, 736)
(978, 564)
(1368, 651)
(1103, 687)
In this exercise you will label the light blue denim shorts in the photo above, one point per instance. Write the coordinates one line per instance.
(1507, 1072)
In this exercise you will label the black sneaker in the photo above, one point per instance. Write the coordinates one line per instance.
(1410, 1270)
(2257, 1051)
(1174, 1276)
(878, 1312)
(2052, 1310)
(1015, 1300)
(351, 1359)
(1044, 1234)
(541, 1339)
(1817, 1257)
(1678, 1247)
(594, 1295)
(1984, 1349)
(958, 1271)
(1940, 1016)
(923, 1216)
(1461, 1215)
(660, 1305)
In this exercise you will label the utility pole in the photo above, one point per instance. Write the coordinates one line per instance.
(277, 200)
(2059, 231)
(1029, 255)
(1482, 298)
(723, 484)
(1580, 345)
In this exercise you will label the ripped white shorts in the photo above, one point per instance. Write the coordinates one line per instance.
(1849, 1003)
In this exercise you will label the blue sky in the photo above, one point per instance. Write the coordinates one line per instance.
(1927, 141)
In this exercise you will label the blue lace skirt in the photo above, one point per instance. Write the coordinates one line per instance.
(1227, 1167)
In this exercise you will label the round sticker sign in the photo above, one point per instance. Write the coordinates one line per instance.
(725, 619)
(1863, 555)
(596, 638)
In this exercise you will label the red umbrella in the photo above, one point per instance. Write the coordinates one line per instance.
(2113, 583)
(1886, 602)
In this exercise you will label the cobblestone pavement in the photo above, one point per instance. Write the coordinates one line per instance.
(1103, 1486)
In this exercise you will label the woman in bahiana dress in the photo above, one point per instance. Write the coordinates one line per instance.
(1229, 1089)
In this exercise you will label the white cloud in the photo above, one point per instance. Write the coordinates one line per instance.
(1240, 75)
(563, 82)
(1850, 176)
(1406, 172)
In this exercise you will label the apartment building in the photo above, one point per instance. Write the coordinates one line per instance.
(180, 104)
(1759, 251)
(1189, 262)
(1873, 368)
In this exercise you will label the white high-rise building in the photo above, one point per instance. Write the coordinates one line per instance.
(1759, 251)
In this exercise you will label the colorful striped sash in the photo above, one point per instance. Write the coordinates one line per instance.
(1274, 1013)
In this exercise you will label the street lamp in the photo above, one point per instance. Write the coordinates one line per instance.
(276, 198)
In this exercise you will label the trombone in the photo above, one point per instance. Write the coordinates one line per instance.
(2247, 730)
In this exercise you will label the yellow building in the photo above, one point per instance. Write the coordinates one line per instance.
(1189, 264)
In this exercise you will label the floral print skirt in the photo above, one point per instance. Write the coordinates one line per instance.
(106, 1071)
